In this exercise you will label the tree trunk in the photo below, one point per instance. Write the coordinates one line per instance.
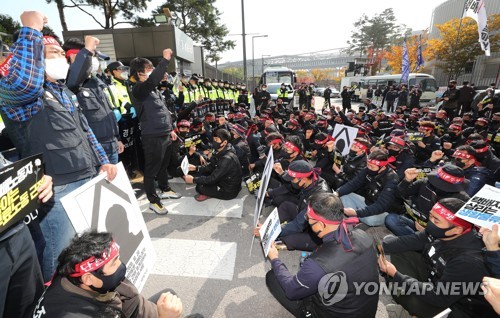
(62, 17)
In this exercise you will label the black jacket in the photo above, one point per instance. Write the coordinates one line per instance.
(224, 171)
(457, 260)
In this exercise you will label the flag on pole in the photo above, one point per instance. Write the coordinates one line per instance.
(476, 9)
(405, 65)
(420, 58)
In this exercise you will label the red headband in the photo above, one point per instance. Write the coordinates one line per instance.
(316, 217)
(324, 141)
(455, 127)
(276, 141)
(481, 150)
(450, 216)
(378, 163)
(462, 155)
(291, 146)
(360, 145)
(48, 40)
(295, 174)
(92, 263)
(72, 51)
(448, 177)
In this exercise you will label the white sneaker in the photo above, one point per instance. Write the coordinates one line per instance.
(158, 208)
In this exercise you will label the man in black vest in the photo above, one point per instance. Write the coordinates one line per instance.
(45, 117)
(438, 268)
(346, 255)
(156, 128)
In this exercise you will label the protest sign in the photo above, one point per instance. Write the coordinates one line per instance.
(414, 137)
(261, 195)
(344, 137)
(112, 207)
(192, 140)
(483, 209)
(19, 190)
(185, 165)
(270, 230)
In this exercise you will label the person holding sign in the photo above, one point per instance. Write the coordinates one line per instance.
(443, 266)
(43, 117)
(344, 250)
(90, 282)
(221, 178)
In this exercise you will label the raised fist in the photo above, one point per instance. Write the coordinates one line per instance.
(33, 19)
(91, 43)
(167, 54)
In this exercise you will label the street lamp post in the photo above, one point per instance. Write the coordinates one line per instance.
(253, 59)
(245, 78)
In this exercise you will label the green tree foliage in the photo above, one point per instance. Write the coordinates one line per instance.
(113, 10)
(200, 20)
(234, 71)
(9, 26)
(376, 33)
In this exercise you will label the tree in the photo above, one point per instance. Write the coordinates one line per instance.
(200, 20)
(394, 55)
(377, 33)
(112, 9)
(454, 51)
(234, 71)
(304, 77)
(8, 25)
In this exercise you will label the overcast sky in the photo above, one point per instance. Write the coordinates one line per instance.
(292, 26)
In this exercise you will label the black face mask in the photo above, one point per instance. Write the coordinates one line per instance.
(352, 153)
(479, 127)
(437, 232)
(216, 145)
(183, 134)
(296, 186)
(373, 173)
(458, 163)
(285, 155)
(393, 153)
(110, 282)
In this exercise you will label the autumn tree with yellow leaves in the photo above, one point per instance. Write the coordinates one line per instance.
(454, 50)
(394, 55)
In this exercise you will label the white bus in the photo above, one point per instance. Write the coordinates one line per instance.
(426, 82)
(278, 74)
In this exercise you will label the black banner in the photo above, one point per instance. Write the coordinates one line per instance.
(18, 191)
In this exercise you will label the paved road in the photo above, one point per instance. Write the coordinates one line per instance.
(203, 254)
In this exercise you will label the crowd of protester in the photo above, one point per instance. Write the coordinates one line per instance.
(410, 169)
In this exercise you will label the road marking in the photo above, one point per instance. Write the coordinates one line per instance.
(193, 258)
(211, 207)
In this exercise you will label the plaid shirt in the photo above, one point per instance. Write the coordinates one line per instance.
(21, 90)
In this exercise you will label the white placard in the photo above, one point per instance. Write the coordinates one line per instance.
(112, 207)
(483, 209)
(344, 137)
(185, 165)
(270, 230)
(261, 195)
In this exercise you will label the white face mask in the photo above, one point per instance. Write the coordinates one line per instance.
(56, 68)
(124, 75)
(149, 73)
(95, 65)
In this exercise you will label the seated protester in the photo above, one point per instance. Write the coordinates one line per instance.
(324, 152)
(304, 178)
(323, 126)
(420, 195)
(398, 149)
(412, 123)
(428, 144)
(241, 147)
(310, 133)
(273, 140)
(486, 157)
(179, 150)
(452, 139)
(221, 178)
(282, 190)
(451, 260)
(371, 194)
(382, 125)
(343, 250)
(465, 158)
(90, 282)
(197, 128)
(441, 123)
(491, 252)
(480, 127)
(293, 129)
(253, 139)
(354, 162)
